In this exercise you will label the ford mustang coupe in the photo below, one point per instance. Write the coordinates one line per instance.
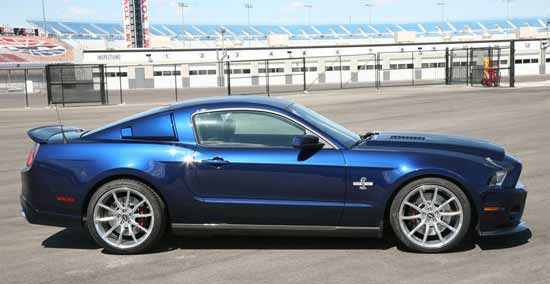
(253, 164)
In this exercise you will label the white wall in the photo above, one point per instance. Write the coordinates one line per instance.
(320, 58)
(114, 83)
(167, 81)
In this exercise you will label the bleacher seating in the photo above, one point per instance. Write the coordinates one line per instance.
(75, 30)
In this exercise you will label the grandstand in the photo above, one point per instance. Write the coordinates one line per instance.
(193, 56)
(115, 31)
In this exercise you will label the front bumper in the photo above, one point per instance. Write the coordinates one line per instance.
(507, 218)
(520, 228)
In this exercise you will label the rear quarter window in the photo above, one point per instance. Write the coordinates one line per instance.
(156, 127)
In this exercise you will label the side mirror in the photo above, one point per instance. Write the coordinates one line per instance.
(307, 142)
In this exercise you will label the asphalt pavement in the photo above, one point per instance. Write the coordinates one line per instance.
(518, 119)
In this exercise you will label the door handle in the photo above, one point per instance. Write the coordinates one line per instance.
(217, 162)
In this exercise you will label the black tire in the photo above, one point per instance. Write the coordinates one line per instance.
(158, 211)
(404, 192)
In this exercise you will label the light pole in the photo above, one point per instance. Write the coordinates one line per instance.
(308, 7)
(44, 19)
(546, 44)
(371, 7)
(182, 6)
(442, 4)
(248, 7)
(508, 2)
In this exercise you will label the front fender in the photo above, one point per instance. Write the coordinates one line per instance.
(455, 177)
(390, 170)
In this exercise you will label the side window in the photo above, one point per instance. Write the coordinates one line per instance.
(245, 129)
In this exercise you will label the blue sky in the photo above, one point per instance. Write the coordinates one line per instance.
(274, 12)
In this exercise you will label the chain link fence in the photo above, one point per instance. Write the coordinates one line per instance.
(373, 70)
(166, 83)
(23, 87)
(487, 66)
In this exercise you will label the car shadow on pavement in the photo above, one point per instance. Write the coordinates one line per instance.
(503, 242)
(74, 238)
(70, 238)
(271, 242)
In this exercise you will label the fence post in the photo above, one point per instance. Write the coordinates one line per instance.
(412, 61)
(341, 82)
(26, 89)
(228, 74)
(120, 84)
(62, 87)
(512, 71)
(377, 67)
(447, 69)
(267, 77)
(104, 84)
(304, 71)
(469, 71)
(48, 84)
(175, 82)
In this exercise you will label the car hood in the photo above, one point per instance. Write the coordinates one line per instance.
(434, 141)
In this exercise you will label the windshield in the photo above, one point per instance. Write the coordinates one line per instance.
(346, 137)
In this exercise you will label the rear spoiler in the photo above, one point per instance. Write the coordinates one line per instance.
(42, 134)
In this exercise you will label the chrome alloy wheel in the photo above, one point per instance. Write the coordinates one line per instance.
(431, 216)
(123, 217)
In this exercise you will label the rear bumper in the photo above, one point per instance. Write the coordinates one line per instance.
(507, 219)
(39, 205)
(35, 216)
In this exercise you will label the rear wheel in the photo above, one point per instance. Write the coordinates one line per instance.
(430, 215)
(125, 216)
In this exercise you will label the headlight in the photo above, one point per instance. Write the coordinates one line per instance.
(498, 178)
(500, 174)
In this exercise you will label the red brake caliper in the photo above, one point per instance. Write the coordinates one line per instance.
(141, 221)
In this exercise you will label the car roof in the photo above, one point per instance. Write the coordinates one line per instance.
(218, 102)
(230, 100)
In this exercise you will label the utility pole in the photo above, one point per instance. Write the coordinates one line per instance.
(182, 6)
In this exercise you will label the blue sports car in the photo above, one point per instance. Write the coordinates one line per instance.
(253, 164)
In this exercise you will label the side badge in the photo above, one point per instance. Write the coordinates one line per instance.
(363, 183)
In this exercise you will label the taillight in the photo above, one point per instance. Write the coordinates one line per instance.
(32, 155)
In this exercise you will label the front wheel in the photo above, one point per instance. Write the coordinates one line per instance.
(125, 216)
(430, 215)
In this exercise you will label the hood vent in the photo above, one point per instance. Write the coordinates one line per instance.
(407, 138)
